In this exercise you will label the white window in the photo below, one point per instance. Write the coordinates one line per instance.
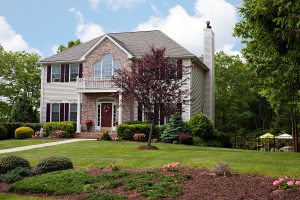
(73, 111)
(74, 71)
(55, 112)
(106, 67)
(55, 73)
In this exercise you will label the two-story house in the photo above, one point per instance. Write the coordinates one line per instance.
(76, 83)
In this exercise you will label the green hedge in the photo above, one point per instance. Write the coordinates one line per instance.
(49, 127)
(126, 131)
(12, 126)
(3, 132)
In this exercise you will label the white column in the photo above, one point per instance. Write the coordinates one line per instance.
(42, 95)
(78, 128)
(120, 108)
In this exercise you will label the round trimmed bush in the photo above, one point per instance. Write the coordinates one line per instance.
(201, 126)
(24, 132)
(3, 132)
(9, 163)
(53, 163)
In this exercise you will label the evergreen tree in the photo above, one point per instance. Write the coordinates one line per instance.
(175, 126)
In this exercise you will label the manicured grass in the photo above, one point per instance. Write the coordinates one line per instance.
(7, 144)
(100, 154)
(7, 196)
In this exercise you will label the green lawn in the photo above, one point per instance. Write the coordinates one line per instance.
(7, 196)
(6, 144)
(100, 154)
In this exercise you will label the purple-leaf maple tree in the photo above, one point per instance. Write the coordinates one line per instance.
(154, 80)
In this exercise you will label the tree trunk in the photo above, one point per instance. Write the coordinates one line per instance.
(151, 131)
(294, 130)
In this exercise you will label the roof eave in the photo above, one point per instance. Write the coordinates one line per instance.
(200, 63)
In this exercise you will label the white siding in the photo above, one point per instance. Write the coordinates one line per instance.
(197, 83)
(56, 92)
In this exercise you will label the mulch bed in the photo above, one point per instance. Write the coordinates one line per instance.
(205, 186)
(146, 147)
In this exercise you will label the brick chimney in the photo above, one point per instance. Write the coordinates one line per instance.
(209, 61)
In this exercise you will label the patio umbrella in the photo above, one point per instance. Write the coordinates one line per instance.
(285, 136)
(267, 137)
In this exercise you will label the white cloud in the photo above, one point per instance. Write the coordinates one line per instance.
(86, 31)
(113, 4)
(12, 41)
(187, 29)
(228, 50)
(54, 49)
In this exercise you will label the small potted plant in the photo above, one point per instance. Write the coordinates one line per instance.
(89, 124)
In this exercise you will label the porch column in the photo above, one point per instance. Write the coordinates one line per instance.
(120, 108)
(78, 128)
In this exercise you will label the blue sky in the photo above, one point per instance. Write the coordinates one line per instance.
(35, 25)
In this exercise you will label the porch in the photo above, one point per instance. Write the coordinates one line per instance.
(102, 103)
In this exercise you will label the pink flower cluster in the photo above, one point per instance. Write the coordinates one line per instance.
(172, 167)
(286, 184)
(58, 132)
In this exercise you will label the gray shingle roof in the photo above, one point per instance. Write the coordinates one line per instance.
(136, 43)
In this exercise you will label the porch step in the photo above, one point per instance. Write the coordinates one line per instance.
(93, 135)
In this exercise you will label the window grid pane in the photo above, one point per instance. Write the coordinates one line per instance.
(55, 112)
(73, 111)
(74, 72)
(55, 73)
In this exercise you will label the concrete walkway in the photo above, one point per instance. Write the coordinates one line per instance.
(35, 146)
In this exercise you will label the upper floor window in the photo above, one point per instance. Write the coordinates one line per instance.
(56, 73)
(74, 71)
(106, 67)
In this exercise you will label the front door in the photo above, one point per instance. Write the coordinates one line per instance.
(106, 114)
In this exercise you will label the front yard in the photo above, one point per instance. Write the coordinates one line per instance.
(100, 154)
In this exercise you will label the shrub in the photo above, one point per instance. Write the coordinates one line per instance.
(139, 137)
(172, 167)
(221, 169)
(24, 132)
(214, 143)
(175, 126)
(69, 127)
(136, 122)
(127, 131)
(12, 126)
(225, 140)
(198, 141)
(9, 163)
(60, 134)
(185, 138)
(3, 132)
(105, 196)
(16, 174)
(55, 183)
(53, 163)
(201, 126)
(105, 136)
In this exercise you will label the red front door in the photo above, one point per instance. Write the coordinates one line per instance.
(106, 114)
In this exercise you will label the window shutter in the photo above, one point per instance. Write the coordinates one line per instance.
(179, 69)
(62, 112)
(62, 73)
(67, 72)
(80, 70)
(48, 110)
(67, 111)
(140, 112)
(162, 114)
(48, 73)
(179, 108)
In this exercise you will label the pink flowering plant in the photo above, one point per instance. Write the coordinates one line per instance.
(114, 166)
(284, 184)
(172, 167)
(57, 133)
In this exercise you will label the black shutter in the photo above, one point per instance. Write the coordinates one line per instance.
(80, 70)
(179, 69)
(140, 112)
(179, 108)
(48, 110)
(62, 73)
(67, 111)
(48, 73)
(67, 73)
(62, 112)
(162, 114)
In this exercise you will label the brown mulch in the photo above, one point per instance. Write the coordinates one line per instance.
(146, 147)
(204, 186)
